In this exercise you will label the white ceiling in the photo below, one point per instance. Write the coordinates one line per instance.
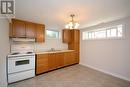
(55, 13)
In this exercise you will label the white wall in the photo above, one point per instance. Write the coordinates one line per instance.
(109, 56)
(51, 43)
(4, 49)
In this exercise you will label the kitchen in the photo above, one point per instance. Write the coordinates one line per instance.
(26, 60)
(60, 44)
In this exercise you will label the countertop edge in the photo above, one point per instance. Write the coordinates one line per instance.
(54, 52)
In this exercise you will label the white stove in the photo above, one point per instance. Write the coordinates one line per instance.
(21, 64)
(15, 54)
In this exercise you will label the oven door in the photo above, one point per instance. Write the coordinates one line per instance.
(23, 63)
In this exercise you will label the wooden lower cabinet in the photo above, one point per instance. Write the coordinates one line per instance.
(41, 63)
(77, 57)
(52, 61)
(59, 60)
(69, 58)
(48, 62)
(56, 60)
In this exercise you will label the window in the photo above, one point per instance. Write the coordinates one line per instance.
(52, 34)
(104, 33)
(100, 34)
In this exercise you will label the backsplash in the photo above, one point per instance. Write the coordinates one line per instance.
(49, 43)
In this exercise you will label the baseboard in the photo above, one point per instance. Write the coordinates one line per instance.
(106, 72)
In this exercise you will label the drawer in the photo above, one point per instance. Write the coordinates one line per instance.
(20, 76)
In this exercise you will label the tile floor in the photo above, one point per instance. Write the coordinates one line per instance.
(73, 76)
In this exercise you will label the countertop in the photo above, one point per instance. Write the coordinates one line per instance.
(56, 51)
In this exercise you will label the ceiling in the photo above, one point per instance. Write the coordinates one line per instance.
(55, 13)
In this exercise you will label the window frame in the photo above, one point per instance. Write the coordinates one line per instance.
(105, 29)
(53, 31)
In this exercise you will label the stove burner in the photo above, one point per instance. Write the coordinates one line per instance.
(14, 53)
(29, 52)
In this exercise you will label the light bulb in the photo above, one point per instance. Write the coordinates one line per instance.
(66, 26)
(71, 27)
(76, 25)
(70, 24)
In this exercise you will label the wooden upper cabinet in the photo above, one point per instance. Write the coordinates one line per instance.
(30, 30)
(18, 28)
(75, 36)
(71, 36)
(74, 46)
(40, 33)
(66, 36)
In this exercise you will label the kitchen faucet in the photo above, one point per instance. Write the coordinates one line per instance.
(52, 49)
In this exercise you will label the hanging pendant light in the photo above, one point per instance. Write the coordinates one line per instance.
(72, 24)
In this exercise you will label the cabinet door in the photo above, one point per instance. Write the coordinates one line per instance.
(75, 36)
(52, 61)
(66, 37)
(40, 33)
(18, 28)
(72, 58)
(77, 57)
(69, 58)
(30, 30)
(74, 46)
(41, 63)
(59, 60)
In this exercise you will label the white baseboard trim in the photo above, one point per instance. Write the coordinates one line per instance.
(106, 72)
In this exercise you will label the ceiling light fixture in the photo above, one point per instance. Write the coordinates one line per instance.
(72, 24)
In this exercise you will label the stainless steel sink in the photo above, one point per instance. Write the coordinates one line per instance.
(52, 50)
